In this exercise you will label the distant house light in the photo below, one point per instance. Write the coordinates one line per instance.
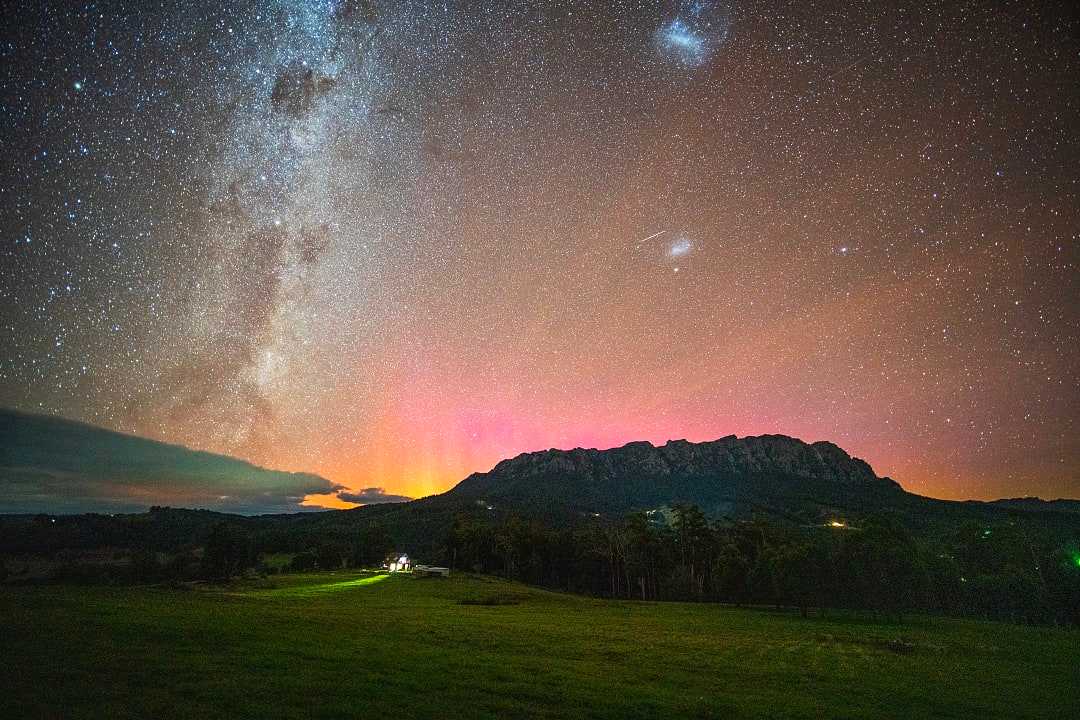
(837, 524)
(431, 571)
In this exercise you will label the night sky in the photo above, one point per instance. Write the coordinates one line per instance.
(391, 243)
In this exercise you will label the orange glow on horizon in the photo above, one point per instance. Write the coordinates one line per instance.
(330, 502)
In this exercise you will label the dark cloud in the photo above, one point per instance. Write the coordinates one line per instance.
(297, 88)
(313, 241)
(372, 496)
(48, 464)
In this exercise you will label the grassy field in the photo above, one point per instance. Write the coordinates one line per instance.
(345, 645)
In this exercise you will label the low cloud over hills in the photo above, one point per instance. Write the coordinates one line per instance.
(372, 496)
(49, 464)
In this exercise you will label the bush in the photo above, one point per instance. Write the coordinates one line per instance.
(303, 562)
(228, 552)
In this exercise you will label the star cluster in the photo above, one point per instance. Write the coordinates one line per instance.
(394, 242)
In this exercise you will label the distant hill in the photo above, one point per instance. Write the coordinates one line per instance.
(1035, 504)
(49, 464)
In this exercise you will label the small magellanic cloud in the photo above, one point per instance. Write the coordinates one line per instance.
(681, 246)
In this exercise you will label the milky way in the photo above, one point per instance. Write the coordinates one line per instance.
(392, 243)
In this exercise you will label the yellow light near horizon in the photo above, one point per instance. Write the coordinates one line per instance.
(836, 524)
(330, 502)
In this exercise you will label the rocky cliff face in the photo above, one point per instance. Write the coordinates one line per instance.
(767, 453)
(727, 476)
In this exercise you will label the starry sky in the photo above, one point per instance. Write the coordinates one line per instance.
(391, 243)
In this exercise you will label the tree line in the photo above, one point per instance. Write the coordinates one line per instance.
(1009, 570)
(880, 567)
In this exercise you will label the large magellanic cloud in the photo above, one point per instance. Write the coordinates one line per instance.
(49, 464)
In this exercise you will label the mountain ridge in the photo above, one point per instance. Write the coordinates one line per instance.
(716, 474)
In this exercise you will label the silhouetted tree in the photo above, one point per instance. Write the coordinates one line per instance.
(370, 545)
(303, 561)
(228, 552)
(330, 555)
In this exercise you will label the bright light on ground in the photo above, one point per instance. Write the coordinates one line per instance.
(307, 590)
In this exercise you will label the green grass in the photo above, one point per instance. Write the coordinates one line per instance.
(349, 645)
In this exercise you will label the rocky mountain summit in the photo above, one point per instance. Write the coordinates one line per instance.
(729, 476)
